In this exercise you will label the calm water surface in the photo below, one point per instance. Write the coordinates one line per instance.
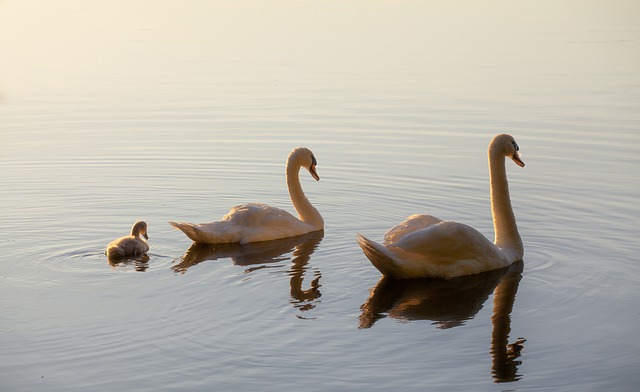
(123, 110)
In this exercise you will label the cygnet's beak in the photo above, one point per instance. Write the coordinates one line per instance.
(517, 160)
(314, 174)
(146, 237)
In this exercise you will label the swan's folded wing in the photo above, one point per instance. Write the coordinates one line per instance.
(411, 224)
(257, 215)
(447, 242)
(261, 222)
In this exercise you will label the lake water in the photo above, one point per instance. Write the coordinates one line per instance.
(178, 110)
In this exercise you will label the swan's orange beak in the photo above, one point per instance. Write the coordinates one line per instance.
(517, 160)
(314, 174)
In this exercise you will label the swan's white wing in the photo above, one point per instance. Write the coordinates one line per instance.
(444, 241)
(453, 248)
(260, 222)
(411, 224)
(256, 215)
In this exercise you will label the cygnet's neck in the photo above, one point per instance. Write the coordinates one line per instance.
(507, 237)
(306, 212)
(136, 231)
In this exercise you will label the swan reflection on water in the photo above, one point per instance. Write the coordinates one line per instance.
(449, 303)
(140, 263)
(258, 255)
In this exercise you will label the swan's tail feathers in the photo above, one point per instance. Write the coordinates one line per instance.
(189, 229)
(379, 256)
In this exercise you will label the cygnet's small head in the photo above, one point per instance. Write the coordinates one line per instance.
(305, 158)
(507, 145)
(139, 229)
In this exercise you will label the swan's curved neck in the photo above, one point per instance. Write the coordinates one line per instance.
(504, 221)
(306, 212)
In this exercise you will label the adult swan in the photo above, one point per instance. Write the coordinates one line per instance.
(424, 246)
(256, 222)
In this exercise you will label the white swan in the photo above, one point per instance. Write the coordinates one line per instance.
(425, 246)
(256, 222)
(129, 246)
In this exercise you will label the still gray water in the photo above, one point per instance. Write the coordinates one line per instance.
(123, 110)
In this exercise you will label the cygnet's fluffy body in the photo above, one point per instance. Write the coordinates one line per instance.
(130, 246)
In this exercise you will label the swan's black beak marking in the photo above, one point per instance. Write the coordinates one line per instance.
(312, 168)
(516, 156)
